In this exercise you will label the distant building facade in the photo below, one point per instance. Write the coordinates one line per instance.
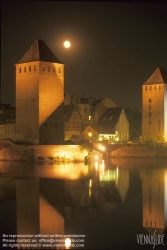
(7, 122)
(154, 107)
(39, 96)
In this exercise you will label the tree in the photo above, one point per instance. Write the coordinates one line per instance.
(134, 117)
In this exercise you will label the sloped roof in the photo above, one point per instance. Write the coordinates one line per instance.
(159, 76)
(110, 116)
(39, 51)
(101, 129)
(68, 111)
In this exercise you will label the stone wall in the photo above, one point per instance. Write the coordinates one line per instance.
(63, 153)
(137, 151)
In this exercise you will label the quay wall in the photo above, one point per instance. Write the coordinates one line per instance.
(137, 151)
(66, 153)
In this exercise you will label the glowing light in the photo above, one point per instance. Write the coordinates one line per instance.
(96, 165)
(90, 183)
(102, 148)
(67, 44)
(67, 242)
(96, 157)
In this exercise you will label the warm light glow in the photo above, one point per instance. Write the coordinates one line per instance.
(67, 44)
(67, 242)
(90, 183)
(102, 147)
(90, 134)
(96, 157)
(96, 165)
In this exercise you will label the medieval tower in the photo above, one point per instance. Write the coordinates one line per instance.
(39, 96)
(154, 107)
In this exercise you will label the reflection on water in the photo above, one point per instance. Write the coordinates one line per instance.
(110, 204)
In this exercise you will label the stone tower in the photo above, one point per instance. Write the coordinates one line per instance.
(39, 96)
(154, 107)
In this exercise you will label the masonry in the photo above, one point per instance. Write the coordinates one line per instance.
(61, 153)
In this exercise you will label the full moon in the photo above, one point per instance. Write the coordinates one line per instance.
(67, 44)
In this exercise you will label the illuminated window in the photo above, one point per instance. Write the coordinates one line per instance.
(29, 68)
(19, 70)
(90, 117)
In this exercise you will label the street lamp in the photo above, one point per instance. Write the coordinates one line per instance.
(90, 135)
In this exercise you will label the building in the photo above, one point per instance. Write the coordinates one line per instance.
(72, 121)
(39, 96)
(7, 122)
(113, 126)
(154, 107)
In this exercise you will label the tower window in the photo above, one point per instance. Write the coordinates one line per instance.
(59, 70)
(54, 69)
(150, 88)
(24, 69)
(35, 68)
(149, 122)
(48, 69)
(43, 67)
(149, 114)
(159, 87)
(149, 107)
(19, 70)
(149, 100)
(29, 68)
(146, 88)
(155, 87)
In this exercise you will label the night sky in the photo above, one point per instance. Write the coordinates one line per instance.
(115, 47)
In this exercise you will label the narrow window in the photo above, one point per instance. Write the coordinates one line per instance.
(54, 69)
(29, 68)
(35, 68)
(149, 114)
(43, 67)
(48, 69)
(33, 99)
(149, 100)
(150, 88)
(149, 107)
(149, 122)
(59, 70)
(146, 88)
(155, 87)
(24, 69)
(19, 70)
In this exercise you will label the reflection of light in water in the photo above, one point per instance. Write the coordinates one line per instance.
(96, 165)
(117, 172)
(102, 166)
(90, 187)
(67, 242)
